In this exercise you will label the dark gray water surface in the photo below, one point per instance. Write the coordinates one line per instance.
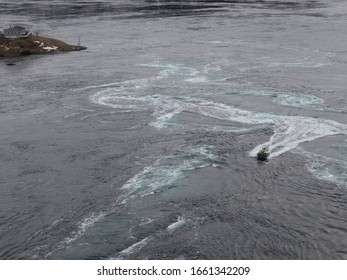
(142, 147)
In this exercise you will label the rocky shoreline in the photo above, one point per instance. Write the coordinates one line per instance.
(34, 45)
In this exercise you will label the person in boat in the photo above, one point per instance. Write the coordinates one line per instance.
(264, 152)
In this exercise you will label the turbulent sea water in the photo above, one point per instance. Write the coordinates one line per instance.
(143, 146)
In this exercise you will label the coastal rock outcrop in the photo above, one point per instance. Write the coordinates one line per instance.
(34, 45)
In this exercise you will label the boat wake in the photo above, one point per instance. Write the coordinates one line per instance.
(289, 131)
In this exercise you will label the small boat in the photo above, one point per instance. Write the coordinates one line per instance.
(263, 154)
(11, 63)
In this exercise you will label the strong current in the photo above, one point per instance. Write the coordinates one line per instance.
(144, 145)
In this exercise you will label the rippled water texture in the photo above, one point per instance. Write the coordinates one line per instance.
(143, 146)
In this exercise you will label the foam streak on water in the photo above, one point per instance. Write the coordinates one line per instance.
(326, 168)
(180, 222)
(158, 177)
(133, 248)
(289, 131)
(82, 228)
(165, 171)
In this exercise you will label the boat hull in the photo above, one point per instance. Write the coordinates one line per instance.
(262, 157)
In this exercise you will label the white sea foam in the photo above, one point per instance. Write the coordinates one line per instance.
(289, 131)
(281, 65)
(125, 90)
(326, 168)
(100, 86)
(133, 248)
(165, 171)
(163, 120)
(71, 115)
(296, 100)
(191, 74)
(299, 100)
(181, 221)
(328, 174)
(83, 226)
(197, 79)
(121, 86)
(120, 101)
